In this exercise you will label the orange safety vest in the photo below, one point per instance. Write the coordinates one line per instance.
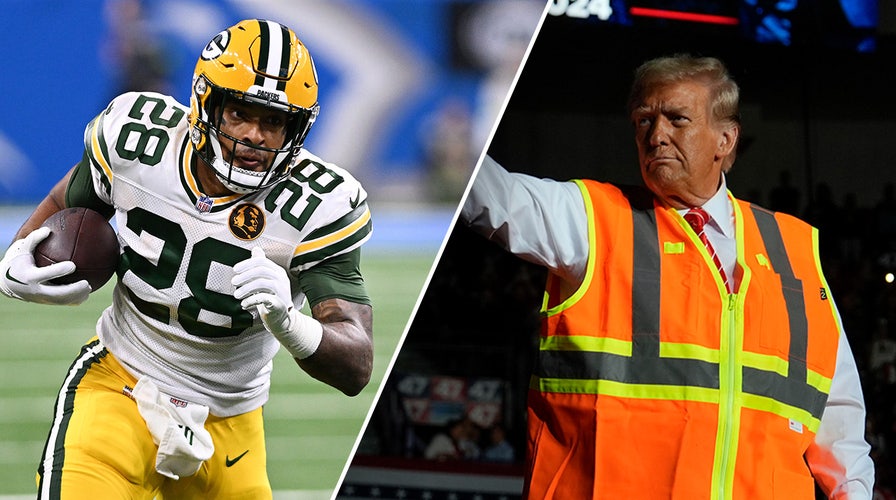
(653, 382)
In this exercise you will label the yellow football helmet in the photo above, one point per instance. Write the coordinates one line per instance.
(259, 62)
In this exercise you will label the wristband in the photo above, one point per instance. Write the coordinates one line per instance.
(303, 336)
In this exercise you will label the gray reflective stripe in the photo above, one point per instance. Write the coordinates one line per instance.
(792, 289)
(787, 390)
(645, 366)
(793, 389)
(629, 370)
(645, 278)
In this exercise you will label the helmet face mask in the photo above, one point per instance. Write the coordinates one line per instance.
(255, 64)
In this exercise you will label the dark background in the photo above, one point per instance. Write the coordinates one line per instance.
(818, 115)
(818, 108)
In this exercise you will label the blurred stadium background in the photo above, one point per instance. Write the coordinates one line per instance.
(409, 92)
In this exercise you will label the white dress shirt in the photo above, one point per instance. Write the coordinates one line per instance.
(510, 209)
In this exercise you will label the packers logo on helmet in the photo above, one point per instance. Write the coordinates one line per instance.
(258, 62)
(216, 46)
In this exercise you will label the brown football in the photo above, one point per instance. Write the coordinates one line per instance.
(84, 237)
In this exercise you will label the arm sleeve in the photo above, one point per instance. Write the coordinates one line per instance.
(839, 458)
(80, 191)
(542, 221)
(337, 277)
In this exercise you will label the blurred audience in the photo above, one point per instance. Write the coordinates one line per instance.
(137, 53)
(785, 197)
(498, 448)
(458, 441)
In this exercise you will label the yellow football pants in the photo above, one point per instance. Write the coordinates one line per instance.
(99, 447)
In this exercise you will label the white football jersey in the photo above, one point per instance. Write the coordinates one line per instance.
(173, 316)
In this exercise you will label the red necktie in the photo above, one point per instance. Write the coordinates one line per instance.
(697, 218)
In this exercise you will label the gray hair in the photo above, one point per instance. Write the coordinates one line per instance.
(685, 67)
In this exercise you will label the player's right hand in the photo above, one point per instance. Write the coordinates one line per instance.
(21, 279)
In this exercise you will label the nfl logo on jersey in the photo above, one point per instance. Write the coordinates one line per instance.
(204, 204)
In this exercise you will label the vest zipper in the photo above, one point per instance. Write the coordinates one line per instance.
(726, 410)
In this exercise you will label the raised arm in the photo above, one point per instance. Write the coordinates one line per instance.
(542, 221)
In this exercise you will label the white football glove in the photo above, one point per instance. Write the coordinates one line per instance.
(21, 279)
(262, 284)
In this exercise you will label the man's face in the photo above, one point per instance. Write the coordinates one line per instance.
(681, 148)
(256, 125)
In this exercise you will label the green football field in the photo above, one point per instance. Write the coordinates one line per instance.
(311, 428)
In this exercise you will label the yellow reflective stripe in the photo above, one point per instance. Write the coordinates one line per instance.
(818, 381)
(623, 390)
(673, 247)
(624, 348)
(586, 344)
(766, 362)
(589, 269)
(689, 351)
(766, 404)
(824, 281)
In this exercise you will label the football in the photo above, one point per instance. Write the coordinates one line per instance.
(84, 237)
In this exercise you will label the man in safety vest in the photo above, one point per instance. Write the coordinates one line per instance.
(690, 347)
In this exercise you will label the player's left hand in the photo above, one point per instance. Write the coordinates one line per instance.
(264, 285)
(21, 279)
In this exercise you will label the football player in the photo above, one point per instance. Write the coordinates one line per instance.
(227, 226)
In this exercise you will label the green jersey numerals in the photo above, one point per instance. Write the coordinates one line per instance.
(320, 179)
(162, 275)
(146, 135)
(137, 141)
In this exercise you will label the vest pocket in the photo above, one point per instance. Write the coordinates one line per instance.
(689, 304)
(770, 317)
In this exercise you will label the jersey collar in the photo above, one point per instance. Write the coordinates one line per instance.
(189, 163)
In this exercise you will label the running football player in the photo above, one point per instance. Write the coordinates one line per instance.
(227, 226)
